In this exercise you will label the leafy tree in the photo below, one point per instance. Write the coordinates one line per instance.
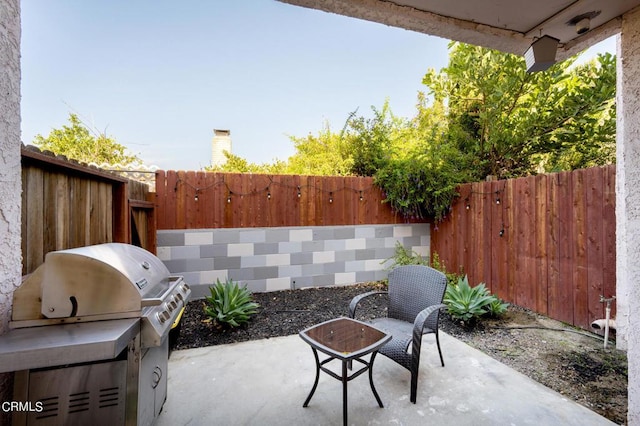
(76, 141)
(510, 120)
(236, 164)
(324, 154)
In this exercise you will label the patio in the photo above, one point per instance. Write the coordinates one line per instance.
(266, 382)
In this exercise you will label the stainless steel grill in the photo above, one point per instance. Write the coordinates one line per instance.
(82, 319)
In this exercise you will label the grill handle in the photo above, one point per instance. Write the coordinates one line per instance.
(155, 301)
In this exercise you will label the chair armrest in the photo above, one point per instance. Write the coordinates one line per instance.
(354, 302)
(418, 324)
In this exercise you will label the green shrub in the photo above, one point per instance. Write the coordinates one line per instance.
(467, 304)
(230, 304)
(452, 277)
(496, 308)
(403, 256)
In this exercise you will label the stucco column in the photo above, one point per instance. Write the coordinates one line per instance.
(628, 204)
(10, 181)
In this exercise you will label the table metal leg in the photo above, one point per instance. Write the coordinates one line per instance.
(345, 380)
(373, 388)
(315, 384)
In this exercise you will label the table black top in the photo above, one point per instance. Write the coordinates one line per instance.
(345, 338)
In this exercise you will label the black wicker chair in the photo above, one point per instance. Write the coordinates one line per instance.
(415, 298)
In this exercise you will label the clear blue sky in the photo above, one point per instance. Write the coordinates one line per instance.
(159, 76)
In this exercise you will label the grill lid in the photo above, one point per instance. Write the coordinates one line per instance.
(101, 279)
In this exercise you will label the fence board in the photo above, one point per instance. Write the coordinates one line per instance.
(557, 253)
(67, 205)
(250, 207)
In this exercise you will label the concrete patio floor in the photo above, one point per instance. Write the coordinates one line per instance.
(265, 382)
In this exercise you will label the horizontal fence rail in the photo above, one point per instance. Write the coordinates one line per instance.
(543, 242)
(195, 200)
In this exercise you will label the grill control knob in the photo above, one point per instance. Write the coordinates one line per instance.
(179, 297)
(168, 307)
(163, 316)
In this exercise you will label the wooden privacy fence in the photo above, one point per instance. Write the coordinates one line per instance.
(192, 200)
(544, 242)
(66, 204)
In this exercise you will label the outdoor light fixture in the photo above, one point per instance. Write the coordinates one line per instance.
(195, 197)
(361, 196)
(331, 197)
(268, 194)
(542, 54)
(299, 194)
(582, 22)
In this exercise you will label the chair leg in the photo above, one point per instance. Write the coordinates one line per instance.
(414, 386)
(439, 351)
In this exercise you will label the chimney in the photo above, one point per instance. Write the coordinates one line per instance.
(221, 142)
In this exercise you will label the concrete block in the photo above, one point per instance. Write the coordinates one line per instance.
(365, 232)
(301, 234)
(384, 231)
(228, 262)
(253, 236)
(213, 250)
(265, 272)
(345, 233)
(277, 284)
(244, 274)
(356, 244)
(335, 245)
(205, 264)
(354, 266)
(301, 258)
(289, 247)
(276, 235)
(198, 238)
(373, 265)
(401, 231)
(185, 252)
(345, 278)
(253, 261)
(278, 259)
(176, 266)
(290, 271)
(163, 253)
(324, 233)
(333, 267)
(240, 249)
(324, 280)
(226, 236)
(324, 256)
(365, 254)
(313, 246)
(345, 255)
(266, 248)
(170, 238)
(210, 277)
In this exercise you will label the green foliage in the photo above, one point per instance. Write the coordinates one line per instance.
(467, 304)
(236, 164)
(436, 263)
(496, 308)
(230, 304)
(403, 256)
(77, 142)
(513, 123)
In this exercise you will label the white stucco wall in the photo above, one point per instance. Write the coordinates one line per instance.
(628, 205)
(10, 182)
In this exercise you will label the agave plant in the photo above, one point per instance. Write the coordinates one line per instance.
(229, 303)
(467, 303)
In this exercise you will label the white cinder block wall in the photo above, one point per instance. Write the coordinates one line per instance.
(271, 259)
